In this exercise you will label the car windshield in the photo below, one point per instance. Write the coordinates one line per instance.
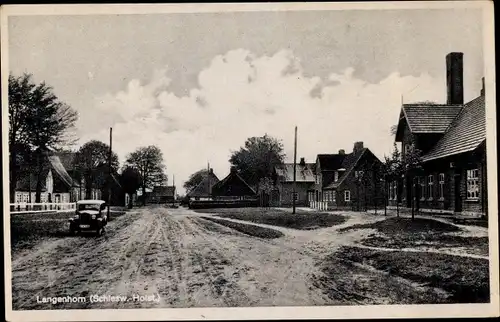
(88, 207)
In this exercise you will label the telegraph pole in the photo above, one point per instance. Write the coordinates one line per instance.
(109, 167)
(294, 170)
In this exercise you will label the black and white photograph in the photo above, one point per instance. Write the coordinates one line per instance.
(239, 161)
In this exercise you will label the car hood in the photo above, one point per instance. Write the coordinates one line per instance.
(89, 212)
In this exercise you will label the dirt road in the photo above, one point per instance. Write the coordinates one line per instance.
(158, 257)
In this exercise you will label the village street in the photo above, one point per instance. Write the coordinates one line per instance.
(179, 259)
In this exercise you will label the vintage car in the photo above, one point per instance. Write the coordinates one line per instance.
(90, 215)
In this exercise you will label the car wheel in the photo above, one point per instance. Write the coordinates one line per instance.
(100, 231)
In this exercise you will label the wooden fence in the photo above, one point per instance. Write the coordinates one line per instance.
(40, 207)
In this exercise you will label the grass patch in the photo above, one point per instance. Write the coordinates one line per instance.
(404, 233)
(26, 230)
(393, 226)
(467, 279)
(301, 220)
(251, 230)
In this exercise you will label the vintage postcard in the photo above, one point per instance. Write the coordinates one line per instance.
(249, 161)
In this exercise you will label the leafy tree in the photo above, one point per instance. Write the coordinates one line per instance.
(265, 188)
(38, 121)
(257, 159)
(92, 165)
(130, 179)
(149, 162)
(195, 179)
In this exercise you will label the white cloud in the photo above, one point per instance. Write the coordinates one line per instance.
(242, 95)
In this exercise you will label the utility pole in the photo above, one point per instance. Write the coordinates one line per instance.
(109, 167)
(294, 170)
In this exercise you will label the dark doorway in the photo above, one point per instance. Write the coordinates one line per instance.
(458, 198)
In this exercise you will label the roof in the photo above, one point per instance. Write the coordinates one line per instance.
(52, 162)
(67, 159)
(233, 185)
(304, 173)
(350, 161)
(429, 118)
(330, 162)
(60, 170)
(90, 202)
(464, 134)
(164, 190)
(204, 188)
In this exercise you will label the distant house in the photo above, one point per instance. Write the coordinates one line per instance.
(233, 187)
(58, 181)
(452, 138)
(304, 183)
(347, 180)
(163, 194)
(203, 191)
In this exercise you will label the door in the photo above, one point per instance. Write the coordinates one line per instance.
(458, 197)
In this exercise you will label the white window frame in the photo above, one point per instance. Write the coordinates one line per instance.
(430, 188)
(473, 184)
(347, 195)
(336, 176)
(421, 181)
(441, 186)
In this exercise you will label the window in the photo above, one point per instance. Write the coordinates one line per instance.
(430, 182)
(421, 181)
(473, 184)
(336, 178)
(295, 196)
(347, 195)
(317, 179)
(358, 174)
(19, 197)
(441, 186)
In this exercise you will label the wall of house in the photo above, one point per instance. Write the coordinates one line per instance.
(286, 192)
(455, 175)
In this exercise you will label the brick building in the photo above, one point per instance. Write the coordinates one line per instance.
(452, 138)
(285, 187)
(347, 180)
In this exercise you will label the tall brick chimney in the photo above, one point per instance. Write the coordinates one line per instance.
(358, 146)
(455, 78)
(482, 88)
(302, 161)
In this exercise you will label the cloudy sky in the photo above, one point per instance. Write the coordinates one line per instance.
(198, 85)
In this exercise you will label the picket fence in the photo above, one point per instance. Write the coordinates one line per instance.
(40, 207)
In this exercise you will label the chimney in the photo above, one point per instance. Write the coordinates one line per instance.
(341, 151)
(358, 146)
(483, 88)
(211, 171)
(455, 78)
(302, 161)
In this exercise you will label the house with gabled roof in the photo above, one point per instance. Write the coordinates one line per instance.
(233, 187)
(163, 194)
(347, 180)
(284, 184)
(452, 138)
(203, 191)
(57, 177)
